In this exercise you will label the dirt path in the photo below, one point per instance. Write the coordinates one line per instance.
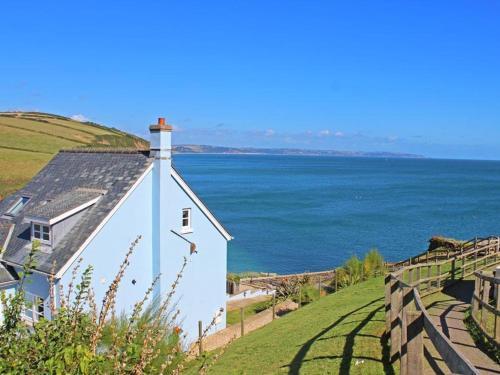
(447, 310)
(254, 322)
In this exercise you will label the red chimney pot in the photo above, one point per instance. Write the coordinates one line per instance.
(161, 121)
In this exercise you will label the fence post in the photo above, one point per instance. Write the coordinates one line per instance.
(486, 298)
(410, 276)
(407, 300)
(439, 276)
(387, 283)
(396, 300)
(497, 248)
(415, 342)
(418, 276)
(319, 288)
(475, 261)
(427, 256)
(429, 283)
(274, 305)
(477, 290)
(497, 326)
(453, 268)
(200, 337)
(463, 267)
(242, 318)
(336, 281)
(300, 296)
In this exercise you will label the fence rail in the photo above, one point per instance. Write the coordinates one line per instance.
(406, 316)
(445, 254)
(484, 314)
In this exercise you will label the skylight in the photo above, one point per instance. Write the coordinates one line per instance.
(18, 206)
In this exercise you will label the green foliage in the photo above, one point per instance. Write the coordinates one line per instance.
(480, 339)
(233, 277)
(373, 264)
(355, 270)
(309, 293)
(352, 271)
(84, 339)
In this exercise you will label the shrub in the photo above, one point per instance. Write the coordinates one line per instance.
(234, 277)
(373, 264)
(82, 338)
(353, 269)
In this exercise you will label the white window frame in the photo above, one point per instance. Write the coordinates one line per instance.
(34, 307)
(41, 233)
(186, 228)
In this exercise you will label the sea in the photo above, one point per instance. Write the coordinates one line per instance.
(292, 214)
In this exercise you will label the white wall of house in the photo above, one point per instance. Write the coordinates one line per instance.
(202, 290)
(107, 250)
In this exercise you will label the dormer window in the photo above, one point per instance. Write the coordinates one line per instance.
(186, 220)
(18, 206)
(41, 232)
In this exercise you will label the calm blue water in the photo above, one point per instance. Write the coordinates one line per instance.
(293, 213)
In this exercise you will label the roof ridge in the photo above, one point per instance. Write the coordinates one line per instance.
(105, 150)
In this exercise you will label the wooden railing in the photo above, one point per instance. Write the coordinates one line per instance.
(484, 314)
(444, 254)
(407, 318)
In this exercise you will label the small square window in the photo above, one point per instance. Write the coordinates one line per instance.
(186, 219)
(41, 232)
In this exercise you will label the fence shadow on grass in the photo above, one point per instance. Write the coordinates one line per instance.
(347, 355)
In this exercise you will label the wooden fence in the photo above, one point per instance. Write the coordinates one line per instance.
(407, 318)
(485, 313)
(444, 254)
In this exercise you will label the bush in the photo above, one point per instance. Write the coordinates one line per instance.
(373, 264)
(353, 269)
(82, 338)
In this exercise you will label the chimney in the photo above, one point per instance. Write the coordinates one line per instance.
(161, 151)
(161, 140)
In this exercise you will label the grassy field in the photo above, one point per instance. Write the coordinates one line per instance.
(28, 140)
(340, 333)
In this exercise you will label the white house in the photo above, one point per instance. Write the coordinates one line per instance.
(91, 204)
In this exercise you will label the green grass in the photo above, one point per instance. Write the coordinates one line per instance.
(28, 140)
(233, 316)
(340, 333)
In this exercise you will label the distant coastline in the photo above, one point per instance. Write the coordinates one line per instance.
(207, 149)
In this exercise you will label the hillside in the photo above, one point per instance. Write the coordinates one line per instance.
(340, 333)
(207, 149)
(28, 140)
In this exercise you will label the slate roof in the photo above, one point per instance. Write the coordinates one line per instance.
(67, 172)
(7, 275)
(5, 228)
(64, 202)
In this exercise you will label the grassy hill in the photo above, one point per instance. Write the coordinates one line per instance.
(339, 334)
(28, 140)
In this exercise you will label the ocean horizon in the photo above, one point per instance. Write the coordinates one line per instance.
(295, 213)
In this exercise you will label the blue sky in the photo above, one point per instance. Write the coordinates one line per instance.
(406, 76)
